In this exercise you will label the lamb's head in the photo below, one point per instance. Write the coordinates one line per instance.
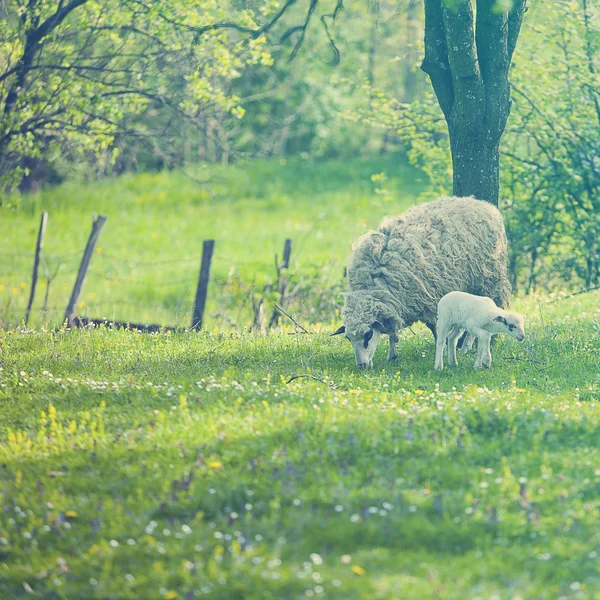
(365, 319)
(511, 322)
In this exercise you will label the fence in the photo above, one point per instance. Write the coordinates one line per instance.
(78, 265)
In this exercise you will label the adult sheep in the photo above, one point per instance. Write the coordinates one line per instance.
(398, 274)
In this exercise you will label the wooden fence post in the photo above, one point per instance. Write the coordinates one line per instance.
(83, 267)
(199, 304)
(36, 263)
(281, 280)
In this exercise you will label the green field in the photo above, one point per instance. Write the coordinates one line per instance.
(184, 466)
(190, 465)
(148, 255)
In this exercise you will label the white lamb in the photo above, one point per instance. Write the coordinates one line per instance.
(398, 273)
(479, 316)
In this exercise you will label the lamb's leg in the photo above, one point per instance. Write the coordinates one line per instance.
(442, 331)
(452, 341)
(478, 358)
(392, 354)
(484, 356)
(468, 342)
(486, 352)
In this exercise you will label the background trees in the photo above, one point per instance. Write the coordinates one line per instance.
(81, 77)
(95, 88)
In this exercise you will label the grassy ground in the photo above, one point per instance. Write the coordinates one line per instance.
(185, 466)
(148, 255)
(188, 465)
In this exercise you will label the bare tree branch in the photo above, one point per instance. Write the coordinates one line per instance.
(332, 17)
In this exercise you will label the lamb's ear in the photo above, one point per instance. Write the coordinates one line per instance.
(377, 326)
(500, 319)
(342, 329)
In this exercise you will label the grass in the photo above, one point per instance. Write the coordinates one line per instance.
(185, 466)
(189, 465)
(148, 255)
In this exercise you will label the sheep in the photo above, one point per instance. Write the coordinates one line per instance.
(478, 315)
(398, 273)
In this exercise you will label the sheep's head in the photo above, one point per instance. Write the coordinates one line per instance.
(511, 322)
(365, 319)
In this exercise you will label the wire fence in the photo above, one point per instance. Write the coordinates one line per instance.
(131, 289)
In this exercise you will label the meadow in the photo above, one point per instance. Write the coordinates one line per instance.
(146, 264)
(226, 464)
(189, 465)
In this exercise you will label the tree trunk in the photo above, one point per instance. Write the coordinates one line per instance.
(475, 166)
(467, 58)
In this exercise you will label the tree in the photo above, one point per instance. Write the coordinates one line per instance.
(551, 150)
(77, 74)
(467, 58)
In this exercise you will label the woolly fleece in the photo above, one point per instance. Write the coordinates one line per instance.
(398, 273)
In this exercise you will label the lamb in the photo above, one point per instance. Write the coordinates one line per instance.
(398, 273)
(479, 316)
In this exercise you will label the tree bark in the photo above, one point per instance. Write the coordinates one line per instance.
(467, 59)
(475, 165)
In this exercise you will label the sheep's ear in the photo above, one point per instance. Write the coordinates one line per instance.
(500, 319)
(342, 329)
(377, 326)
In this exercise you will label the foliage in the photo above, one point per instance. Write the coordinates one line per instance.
(420, 127)
(299, 106)
(551, 164)
(180, 466)
(549, 155)
(125, 85)
(77, 76)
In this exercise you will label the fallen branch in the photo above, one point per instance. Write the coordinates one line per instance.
(332, 385)
(291, 318)
(593, 289)
(556, 364)
(151, 328)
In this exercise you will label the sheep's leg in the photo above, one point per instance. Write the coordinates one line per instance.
(442, 332)
(486, 352)
(452, 341)
(468, 342)
(502, 295)
(484, 356)
(478, 359)
(432, 328)
(392, 354)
